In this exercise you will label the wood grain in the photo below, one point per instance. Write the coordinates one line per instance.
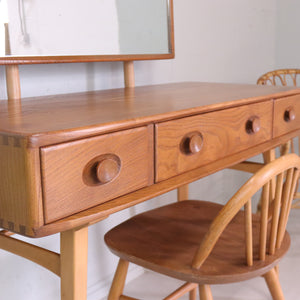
(103, 210)
(20, 190)
(165, 240)
(64, 190)
(223, 133)
(288, 163)
(85, 115)
(92, 113)
(204, 242)
(281, 124)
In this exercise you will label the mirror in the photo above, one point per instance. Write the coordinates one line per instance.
(37, 31)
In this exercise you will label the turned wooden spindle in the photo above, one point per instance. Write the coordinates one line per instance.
(129, 74)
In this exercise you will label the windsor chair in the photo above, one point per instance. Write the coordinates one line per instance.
(282, 77)
(204, 243)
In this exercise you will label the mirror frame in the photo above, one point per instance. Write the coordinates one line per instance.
(21, 60)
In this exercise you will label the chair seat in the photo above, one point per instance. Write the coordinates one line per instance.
(165, 240)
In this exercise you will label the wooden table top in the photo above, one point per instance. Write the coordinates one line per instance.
(60, 118)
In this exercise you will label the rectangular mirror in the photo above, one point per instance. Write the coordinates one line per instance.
(50, 31)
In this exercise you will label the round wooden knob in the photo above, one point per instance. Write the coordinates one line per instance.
(253, 125)
(107, 170)
(192, 143)
(289, 114)
(195, 143)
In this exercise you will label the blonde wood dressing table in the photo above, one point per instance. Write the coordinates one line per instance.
(72, 160)
(69, 161)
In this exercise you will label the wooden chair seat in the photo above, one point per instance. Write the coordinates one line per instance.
(166, 239)
(205, 243)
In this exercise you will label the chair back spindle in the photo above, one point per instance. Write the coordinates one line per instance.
(248, 233)
(283, 172)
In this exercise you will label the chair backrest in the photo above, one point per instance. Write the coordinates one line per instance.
(285, 172)
(280, 77)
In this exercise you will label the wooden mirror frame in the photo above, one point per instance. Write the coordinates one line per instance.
(21, 60)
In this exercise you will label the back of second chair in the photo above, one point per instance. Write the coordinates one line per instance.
(280, 77)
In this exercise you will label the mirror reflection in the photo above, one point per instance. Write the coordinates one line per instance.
(90, 27)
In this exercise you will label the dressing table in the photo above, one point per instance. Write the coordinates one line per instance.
(69, 161)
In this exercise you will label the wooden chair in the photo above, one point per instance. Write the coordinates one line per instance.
(284, 77)
(279, 77)
(204, 243)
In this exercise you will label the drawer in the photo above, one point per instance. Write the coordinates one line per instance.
(85, 173)
(286, 115)
(188, 143)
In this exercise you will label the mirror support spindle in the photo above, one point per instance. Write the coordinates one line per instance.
(13, 82)
(129, 74)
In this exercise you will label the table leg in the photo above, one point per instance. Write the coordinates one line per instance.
(74, 253)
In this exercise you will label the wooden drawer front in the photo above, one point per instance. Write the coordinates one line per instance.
(286, 115)
(221, 133)
(85, 173)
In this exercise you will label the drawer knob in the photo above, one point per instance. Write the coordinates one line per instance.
(107, 170)
(192, 143)
(253, 125)
(289, 114)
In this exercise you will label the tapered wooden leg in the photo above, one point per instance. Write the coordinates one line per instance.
(74, 253)
(205, 292)
(273, 283)
(118, 283)
(193, 294)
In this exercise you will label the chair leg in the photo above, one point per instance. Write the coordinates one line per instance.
(193, 294)
(205, 292)
(118, 283)
(273, 283)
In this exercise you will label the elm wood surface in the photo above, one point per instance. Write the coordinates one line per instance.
(103, 210)
(167, 239)
(55, 119)
(223, 133)
(64, 165)
(49, 122)
(21, 207)
(286, 115)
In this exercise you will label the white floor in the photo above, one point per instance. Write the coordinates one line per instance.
(153, 286)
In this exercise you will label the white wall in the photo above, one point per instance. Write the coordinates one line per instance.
(287, 37)
(214, 41)
(69, 31)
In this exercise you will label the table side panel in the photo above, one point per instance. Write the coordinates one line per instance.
(20, 187)
(66, 188)
(223, 133)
